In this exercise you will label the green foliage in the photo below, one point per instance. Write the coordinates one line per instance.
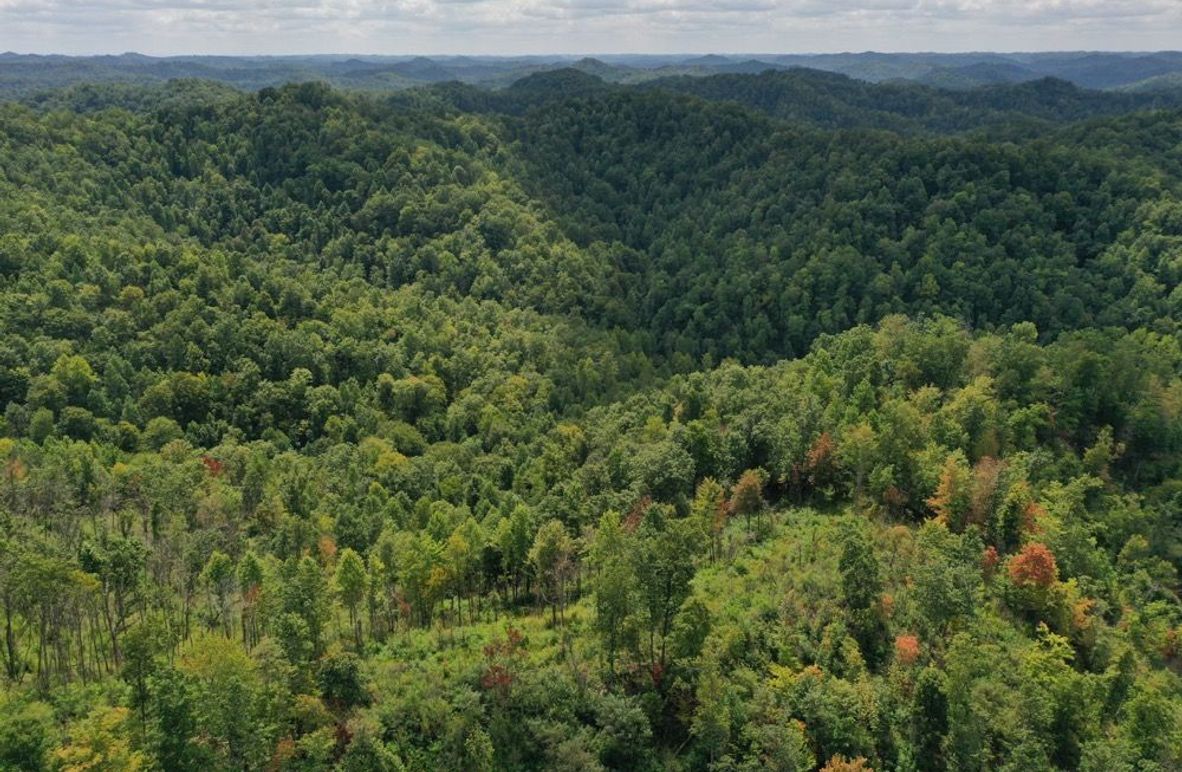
(228, 706)
(367, 753)
(315, 401)
(551, 556)
(339, 677)
(931, 719)
(26, 733)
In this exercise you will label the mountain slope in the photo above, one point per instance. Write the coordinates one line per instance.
(578, 426)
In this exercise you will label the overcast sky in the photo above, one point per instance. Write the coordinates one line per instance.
(583, 26)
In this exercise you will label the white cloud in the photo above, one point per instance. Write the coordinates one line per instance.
(581, 26)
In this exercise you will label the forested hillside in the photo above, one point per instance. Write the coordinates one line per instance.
(842, 102)
(749, 422)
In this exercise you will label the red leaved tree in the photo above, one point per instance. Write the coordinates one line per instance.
(1034, 566)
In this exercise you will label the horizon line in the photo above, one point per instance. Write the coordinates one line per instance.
(594, 54)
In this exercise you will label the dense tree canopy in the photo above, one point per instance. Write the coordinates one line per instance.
(616, 429)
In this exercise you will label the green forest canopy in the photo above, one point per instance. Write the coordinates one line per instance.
(579, 426)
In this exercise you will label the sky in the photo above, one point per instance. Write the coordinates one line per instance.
(165, 27)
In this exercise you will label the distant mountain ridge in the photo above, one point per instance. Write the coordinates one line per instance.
(824, 99)
(22, 75)
(839, 101)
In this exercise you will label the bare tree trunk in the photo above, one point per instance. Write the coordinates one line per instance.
(42, 662)
(10, 663)
(114, 635)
